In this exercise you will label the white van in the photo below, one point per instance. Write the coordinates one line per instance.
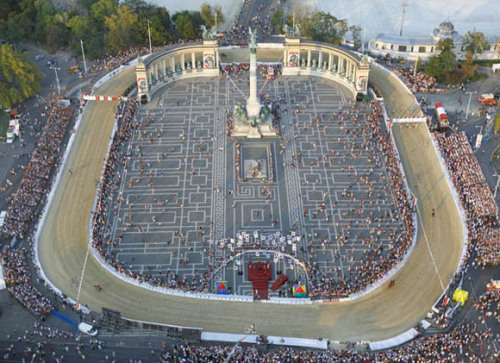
(3, 215)
(88, 329)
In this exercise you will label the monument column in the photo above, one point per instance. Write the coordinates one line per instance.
(285, 61)
(253, 106)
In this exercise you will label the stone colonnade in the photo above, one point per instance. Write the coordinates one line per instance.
(320, 59)
(300, 57)
(180, 62)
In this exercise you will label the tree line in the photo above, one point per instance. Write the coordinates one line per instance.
(105, 26)
(447, 69)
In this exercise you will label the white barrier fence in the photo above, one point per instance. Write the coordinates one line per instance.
(393, 342)
(409, 120)
(275, 340)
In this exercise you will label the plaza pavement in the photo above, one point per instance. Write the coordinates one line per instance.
(63, 247)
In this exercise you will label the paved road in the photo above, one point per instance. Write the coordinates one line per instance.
(381, 314)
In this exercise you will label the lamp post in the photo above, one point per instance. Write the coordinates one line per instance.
(149, 33)
(83, 54)
(57, 79)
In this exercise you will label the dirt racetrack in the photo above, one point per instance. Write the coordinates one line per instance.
(63, 246)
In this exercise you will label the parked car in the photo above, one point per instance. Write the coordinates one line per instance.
(39, 56)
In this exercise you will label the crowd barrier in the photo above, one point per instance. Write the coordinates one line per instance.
(409, 119)
(285, 300)
(2, 279)
(275, 340)
(270, 45)
(394, 342)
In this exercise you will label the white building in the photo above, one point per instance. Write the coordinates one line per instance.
(414, 48)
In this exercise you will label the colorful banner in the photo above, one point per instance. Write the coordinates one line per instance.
(222, 288)
(293, 58)
(362, 80)
(208, 60)
(299, 290)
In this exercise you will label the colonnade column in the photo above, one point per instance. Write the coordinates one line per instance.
(164, 67)
(172, 64)
(193, 61)
(156, 71)
(183, 66)
(320, 60)
(308, 58)
(330, 60)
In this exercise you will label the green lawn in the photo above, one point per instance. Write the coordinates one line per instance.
(4, 124)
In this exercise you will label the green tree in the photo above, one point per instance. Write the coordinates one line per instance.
(188, 24)
(102, 9)
(19, 77)
(207, 14)
(467, 67)
(475, 43)
(325, 27)
(356, 35)
(44, 12)
(7, 7)
(122, 30)
(277, 21)
(87, 4)
(160, 25)
(219, 15)
(443, 65)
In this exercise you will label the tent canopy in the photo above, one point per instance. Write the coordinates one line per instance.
(460, 296)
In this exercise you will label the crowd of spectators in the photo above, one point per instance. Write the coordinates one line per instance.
(24, 204)
(118, 155)
(416, 81)
(476, 197)
(18, 279)
(371, 267)
(374, 264)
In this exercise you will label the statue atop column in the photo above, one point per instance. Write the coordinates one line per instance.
(253, 41)
(208, 34)
(292, 32)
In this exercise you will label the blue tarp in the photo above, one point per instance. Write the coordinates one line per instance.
(66, 319)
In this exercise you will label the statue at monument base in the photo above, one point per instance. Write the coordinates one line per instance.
(253, 127)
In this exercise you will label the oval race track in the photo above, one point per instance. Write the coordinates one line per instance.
(381, 314)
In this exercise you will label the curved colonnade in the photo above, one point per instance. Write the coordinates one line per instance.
(63, 240)
(298, 57)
